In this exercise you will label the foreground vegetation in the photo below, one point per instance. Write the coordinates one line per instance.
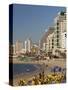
(40, 79)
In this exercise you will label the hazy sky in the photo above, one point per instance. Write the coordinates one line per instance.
(31, 21)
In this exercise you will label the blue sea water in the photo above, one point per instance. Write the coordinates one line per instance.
(24, 68)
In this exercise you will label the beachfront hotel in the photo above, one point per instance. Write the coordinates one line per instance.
(60, 32)
(55, 37)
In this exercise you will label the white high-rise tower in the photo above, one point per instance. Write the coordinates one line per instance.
(28, 45)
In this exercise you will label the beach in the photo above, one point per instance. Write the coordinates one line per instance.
(45, 65)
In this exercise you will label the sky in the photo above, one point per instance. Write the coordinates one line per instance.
(31, 21)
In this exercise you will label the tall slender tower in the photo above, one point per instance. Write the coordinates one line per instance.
(28, 45)
(25, 46)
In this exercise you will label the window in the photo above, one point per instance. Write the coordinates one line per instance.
(57, 36)
(52, 46)
(65, 35)
(57, 23)
(52, 40)
(62, 13)
(57, 31)
(57, 40)
(57, 27)
(57, 44)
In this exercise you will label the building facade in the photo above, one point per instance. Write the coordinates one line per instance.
(60, 32)
(28, 45)
(50, 42)
(18, 47)
(54, 40)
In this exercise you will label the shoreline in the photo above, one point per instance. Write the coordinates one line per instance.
(37, 66)
(51, 63)
(28, 76)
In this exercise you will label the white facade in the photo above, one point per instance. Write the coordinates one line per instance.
(28, 45)
(25, 46)
(60, 31)
(44, 46)
(63, 40)
(50, 43)
(14, 51)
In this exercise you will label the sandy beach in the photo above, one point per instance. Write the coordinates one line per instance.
(43, 63)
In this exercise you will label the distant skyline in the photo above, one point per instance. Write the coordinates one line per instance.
(31, 21)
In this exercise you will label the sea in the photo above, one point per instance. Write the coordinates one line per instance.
(24, 68)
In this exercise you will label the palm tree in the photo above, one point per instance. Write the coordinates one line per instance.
(42, 77)
(21, 83)
(36, 82)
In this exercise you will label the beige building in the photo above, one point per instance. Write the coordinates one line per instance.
(50, 42)
(23, 51)
(34, 49)
(18, 47)
(55, 38)
(63, 43)
(44, 46)
(60, 32)
(46, 41)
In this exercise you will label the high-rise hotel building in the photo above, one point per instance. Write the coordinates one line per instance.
(54, 40)
(60, 31)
